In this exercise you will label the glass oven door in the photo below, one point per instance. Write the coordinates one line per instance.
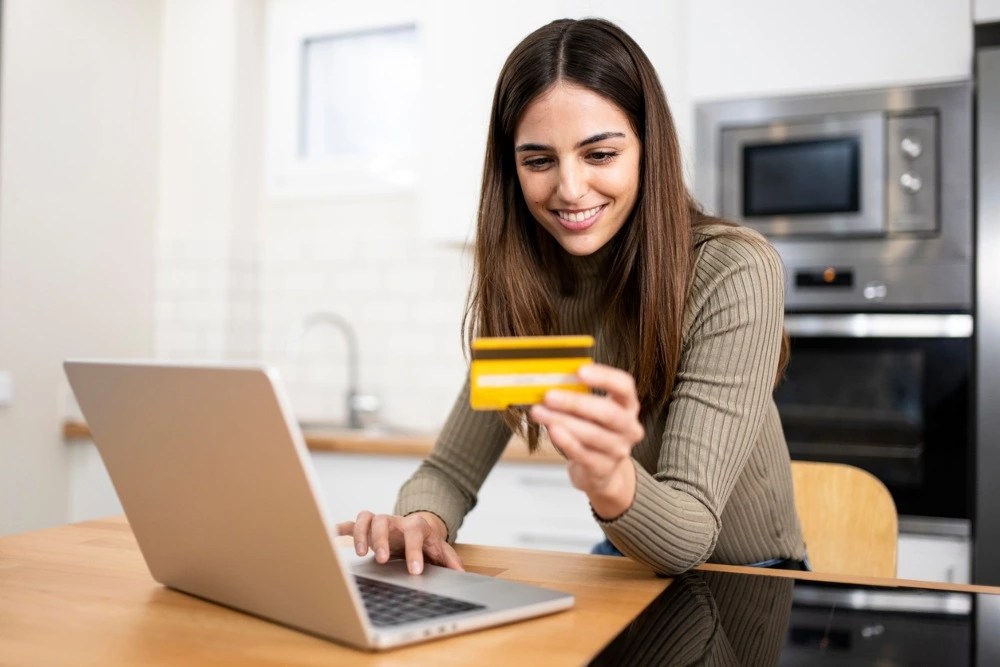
(887, 393)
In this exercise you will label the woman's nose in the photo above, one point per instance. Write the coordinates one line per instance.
(572, 183)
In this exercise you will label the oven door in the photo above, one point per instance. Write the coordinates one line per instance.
(887, 393)
(823, 177)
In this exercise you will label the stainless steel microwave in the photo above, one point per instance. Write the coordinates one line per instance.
(867, 194)
(849, 174)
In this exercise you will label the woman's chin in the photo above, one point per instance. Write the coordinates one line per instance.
(580, 246)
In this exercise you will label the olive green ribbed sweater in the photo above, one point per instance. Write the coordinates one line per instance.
(713, 475)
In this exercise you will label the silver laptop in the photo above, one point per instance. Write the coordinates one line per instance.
(217, 485)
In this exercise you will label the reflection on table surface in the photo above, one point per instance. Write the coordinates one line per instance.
(718, 618)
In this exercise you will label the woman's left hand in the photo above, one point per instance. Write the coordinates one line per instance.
(596, 435)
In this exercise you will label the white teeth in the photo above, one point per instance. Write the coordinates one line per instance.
(579, 216)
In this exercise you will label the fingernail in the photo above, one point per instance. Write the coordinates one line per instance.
(381, 555)
(360, 548)
(583, 372)
(416, 567)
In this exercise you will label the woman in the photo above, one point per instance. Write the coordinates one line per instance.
(585, 226)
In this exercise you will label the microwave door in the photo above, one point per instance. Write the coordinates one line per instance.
(819, 178)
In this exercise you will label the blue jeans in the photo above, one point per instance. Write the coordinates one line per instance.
(605, 548)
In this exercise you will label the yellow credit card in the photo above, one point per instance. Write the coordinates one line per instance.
(519, 370)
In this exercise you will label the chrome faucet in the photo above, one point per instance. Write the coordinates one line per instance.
(357, 403)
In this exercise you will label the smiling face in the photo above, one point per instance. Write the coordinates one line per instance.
(578, 165)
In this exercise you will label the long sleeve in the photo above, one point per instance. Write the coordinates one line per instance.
(710, 427)
(447, 482)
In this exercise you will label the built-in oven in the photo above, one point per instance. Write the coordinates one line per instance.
(890, 393)
(867, 196)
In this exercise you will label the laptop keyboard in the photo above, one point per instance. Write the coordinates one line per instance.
(389, 604)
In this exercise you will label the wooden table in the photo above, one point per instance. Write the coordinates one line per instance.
(81, 595)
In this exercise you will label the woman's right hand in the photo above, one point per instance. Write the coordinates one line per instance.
(417, 536)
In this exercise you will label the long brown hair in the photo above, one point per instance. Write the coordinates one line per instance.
(517, 273)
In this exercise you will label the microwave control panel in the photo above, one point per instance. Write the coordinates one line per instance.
(912, 173)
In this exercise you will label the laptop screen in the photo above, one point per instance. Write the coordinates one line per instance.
(723, 618)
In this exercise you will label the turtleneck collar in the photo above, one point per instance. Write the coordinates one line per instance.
(592, 267)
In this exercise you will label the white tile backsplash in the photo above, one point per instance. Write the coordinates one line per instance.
(364, 260)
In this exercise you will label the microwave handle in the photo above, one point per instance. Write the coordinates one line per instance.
(878, 325)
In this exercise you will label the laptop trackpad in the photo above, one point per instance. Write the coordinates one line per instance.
(476, 588)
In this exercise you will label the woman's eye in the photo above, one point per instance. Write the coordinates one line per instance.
(602, 156)
(536, 162)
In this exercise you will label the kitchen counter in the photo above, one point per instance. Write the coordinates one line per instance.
(371, 442)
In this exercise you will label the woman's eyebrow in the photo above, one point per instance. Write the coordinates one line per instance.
(600, 137)
(589, 140)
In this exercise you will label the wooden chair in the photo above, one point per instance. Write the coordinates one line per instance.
(848, 519)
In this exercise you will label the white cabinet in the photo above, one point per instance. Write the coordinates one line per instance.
(986, 11)
(934, 558)
(782, 46)
(350, 483)
(527, 505)
(532, 506)
(91, 493)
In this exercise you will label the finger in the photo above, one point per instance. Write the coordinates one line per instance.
(596, 409)
(413, 540)
(438, 550)
(380, 537)
(619, 385)
(564, 439)
(345, 528)
(588, 434)
(585, 467)
(588, 468)
(447, 556)
(606, 424)
(362, 528)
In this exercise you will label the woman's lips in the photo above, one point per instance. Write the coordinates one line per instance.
(577, 221)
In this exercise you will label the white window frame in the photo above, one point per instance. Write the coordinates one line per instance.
(289, 24)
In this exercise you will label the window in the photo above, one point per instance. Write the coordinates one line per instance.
(359, 93)
(343, 100)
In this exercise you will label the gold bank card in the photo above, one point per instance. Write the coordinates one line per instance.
(519, 370)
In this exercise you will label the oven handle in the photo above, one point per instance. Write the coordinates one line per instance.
(879, 325)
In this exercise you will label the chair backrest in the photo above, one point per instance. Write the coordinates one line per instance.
(848, 519)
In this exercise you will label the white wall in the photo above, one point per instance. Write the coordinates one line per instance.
(78, 121)
(210, 163)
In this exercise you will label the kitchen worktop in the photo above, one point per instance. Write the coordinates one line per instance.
(388, 443)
